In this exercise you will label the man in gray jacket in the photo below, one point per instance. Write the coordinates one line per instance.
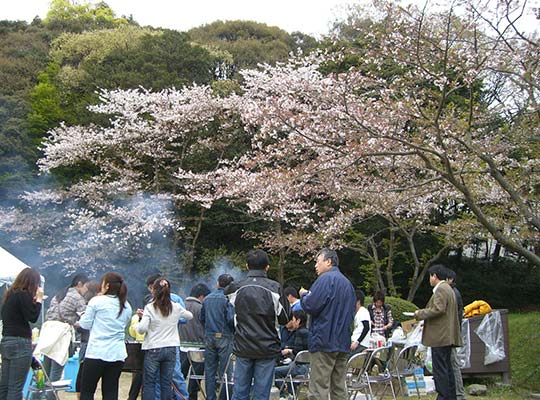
(193, 332)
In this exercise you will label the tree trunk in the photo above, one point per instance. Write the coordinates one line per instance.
(190, 252)
(390, 263)
(282, 252)
(377, 266)
(416, 284)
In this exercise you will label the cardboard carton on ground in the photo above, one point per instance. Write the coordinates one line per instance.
(410, 387)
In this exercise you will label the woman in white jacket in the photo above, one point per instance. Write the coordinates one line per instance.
(160, 323)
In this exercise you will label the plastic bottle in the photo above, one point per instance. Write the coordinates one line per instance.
(40, 379)
(35, 335)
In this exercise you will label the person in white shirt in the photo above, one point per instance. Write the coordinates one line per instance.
(106, 317)
(362, 325)
(159, 320)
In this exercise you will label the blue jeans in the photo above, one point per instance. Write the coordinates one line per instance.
(16, 359)
(281, 372)
(158, 370)
(216, 355)
(180, 391)
(261, 371)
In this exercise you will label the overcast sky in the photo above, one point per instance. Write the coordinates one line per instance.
(308, 16)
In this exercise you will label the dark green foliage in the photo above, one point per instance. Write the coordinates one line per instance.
(23, 53)
(161, 61)
(503, 284)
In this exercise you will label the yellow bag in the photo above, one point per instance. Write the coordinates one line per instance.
(477, 307)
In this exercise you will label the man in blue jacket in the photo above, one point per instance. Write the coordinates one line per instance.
(331, 304)
(217, 317)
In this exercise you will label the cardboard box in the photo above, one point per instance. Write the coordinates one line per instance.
(408, 326)
(409, 387)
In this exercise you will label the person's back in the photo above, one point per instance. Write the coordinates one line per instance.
(260, 308)
(193, 331)
(161, 331)
(257, 298)
(216, 314)
(217, 317)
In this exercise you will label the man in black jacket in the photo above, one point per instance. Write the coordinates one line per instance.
(456, 368)
(260, 305)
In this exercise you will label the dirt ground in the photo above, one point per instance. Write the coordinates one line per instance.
(125, 383)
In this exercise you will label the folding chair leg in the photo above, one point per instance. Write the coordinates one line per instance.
(416, 386)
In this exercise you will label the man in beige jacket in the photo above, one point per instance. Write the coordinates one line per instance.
(441, 331)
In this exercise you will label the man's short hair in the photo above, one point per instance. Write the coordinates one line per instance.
(451, 274)
(200, 289)
(224, 280)
(152, 278)
(301, 315)
(289, 290)
(360, 296)
(439, 270)
(328, 254)
(379, 295)
(257, 259)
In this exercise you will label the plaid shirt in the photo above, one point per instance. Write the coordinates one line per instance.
(378, 319)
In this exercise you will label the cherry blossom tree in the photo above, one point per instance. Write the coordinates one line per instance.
(449, 123)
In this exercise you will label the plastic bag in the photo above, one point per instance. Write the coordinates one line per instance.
(490, 331)
(464, 352)
(428, 362)
(415, 337)
(398, 336)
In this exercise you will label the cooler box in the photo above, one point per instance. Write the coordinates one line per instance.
(71, 369)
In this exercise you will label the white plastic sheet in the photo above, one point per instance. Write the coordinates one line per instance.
(464, 352)
(490, 331)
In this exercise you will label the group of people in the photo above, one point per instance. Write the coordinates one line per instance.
(253, 318)
(103, 317)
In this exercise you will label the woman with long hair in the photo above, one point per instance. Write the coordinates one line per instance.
(106, 317)
(21, 305)
(160, 323)
(66, 306)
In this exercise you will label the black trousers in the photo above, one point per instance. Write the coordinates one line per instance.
(443, 375)
(109, 372)
(136, 385)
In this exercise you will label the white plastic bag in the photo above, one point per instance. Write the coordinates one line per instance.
(464, 352)
(415, 337)
(398, 336)
(490, 331)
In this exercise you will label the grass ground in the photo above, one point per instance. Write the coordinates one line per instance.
(524, 332)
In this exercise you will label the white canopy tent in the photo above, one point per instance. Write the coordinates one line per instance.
(10, 266)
